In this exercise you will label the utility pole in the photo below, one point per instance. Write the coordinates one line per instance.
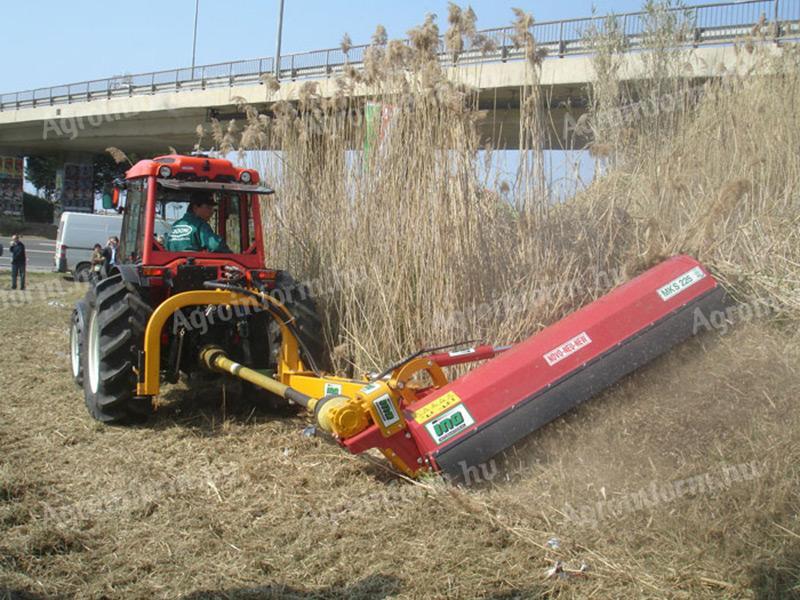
(194, 37)
(278, 42)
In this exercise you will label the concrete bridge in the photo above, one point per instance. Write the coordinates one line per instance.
(148, 112)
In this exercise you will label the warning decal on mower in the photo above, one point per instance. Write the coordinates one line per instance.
(449, 424)
(556, 355)
(437, 406)
(677, 285)
(369, 388)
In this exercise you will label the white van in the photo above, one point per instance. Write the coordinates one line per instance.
(79, 232)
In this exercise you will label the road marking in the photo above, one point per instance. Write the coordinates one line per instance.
(7, 241)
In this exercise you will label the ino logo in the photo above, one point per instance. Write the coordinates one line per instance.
(449, 424)
(386, 411)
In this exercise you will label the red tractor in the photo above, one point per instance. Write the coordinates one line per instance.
(108, 325)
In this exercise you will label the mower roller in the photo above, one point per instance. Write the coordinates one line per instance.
(131, 333)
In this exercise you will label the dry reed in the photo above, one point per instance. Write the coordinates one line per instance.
(392, 188)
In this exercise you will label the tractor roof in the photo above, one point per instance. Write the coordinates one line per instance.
(192, 167)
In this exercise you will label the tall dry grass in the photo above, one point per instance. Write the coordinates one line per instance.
(711, 168)
(400, 193)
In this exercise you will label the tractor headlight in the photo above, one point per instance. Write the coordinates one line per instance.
(246, 177)
(164, 172)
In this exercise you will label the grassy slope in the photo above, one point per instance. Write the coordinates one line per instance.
(207, 503)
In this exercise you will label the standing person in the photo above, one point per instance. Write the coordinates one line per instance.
(110, 251)
(18, 261)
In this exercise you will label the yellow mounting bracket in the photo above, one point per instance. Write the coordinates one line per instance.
(385, 400)
(149, 382)
(383, 406)
(401, 379)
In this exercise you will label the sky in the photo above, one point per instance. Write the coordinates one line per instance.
(51, 42)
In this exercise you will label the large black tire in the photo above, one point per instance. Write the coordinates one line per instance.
(114, 334)
(265, 336)
(77, 328)
(296, 297)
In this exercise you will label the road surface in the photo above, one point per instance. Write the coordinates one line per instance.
(38, 250)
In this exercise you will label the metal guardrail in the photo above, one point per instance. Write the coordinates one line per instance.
(707, 23)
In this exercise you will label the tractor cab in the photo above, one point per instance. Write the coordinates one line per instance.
(187, 192)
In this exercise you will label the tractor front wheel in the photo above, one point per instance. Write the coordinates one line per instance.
(114, 334)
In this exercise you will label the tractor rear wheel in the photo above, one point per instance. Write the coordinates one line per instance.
(296, 297)
(265, 335)
(117, 319)
(76, 339)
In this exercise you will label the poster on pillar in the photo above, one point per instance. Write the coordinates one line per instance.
(75, 187)
(11, 174)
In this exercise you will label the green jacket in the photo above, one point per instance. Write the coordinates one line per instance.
(191, 233)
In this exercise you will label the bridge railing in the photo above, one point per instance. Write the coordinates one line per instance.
(704, 24)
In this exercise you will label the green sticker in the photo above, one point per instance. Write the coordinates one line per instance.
(449, 424)
(333, 389)
(386, 410)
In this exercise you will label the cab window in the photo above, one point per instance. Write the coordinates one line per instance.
(233, 229)
(226, 220)
(133, 221)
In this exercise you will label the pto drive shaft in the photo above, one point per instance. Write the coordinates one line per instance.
(335, 414)
(215, 359)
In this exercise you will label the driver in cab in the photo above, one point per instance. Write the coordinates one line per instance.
(192, 233)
